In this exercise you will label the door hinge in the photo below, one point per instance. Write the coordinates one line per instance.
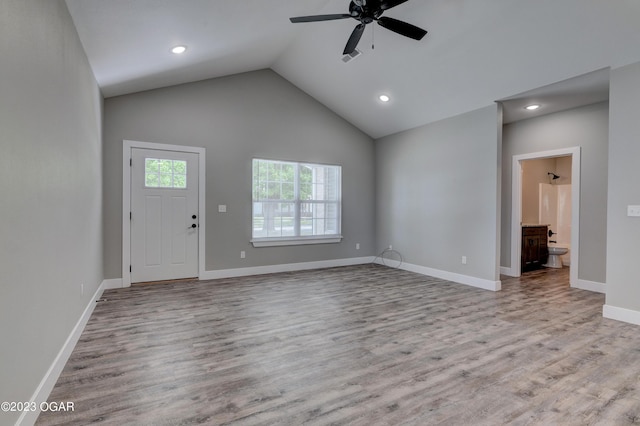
(129, 268)
(130, 216)
(130, 162)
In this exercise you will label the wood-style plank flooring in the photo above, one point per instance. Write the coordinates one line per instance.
(361, 345)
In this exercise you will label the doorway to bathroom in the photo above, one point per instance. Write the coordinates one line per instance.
(546, 190)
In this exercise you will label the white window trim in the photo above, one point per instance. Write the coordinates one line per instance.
(298, 240)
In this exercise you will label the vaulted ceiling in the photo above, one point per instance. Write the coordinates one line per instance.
(476, 51)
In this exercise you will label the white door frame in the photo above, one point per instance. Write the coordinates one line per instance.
(126, 201)
(516, 207)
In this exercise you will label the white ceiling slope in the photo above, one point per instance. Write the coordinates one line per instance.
(476, 52)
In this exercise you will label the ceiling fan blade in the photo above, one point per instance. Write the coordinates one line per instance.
(402, 28)
(318, 18)
(388, 4)
(354, 39)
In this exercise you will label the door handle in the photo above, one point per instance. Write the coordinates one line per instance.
(193, 225)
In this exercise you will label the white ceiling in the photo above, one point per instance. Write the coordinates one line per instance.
(476, 52)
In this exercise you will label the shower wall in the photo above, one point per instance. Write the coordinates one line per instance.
(534, 173)
(555, 209)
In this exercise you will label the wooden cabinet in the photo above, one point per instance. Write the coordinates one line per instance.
(534, 247)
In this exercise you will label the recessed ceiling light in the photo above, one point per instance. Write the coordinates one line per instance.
(532, 107)
(384, 98)
(179, 49)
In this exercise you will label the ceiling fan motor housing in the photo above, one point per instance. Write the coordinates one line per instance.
(364, 13)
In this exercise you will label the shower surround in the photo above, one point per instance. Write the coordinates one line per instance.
(555, 209)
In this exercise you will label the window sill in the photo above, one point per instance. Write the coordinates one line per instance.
(295, 241)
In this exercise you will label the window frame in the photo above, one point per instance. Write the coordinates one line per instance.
(297, 238)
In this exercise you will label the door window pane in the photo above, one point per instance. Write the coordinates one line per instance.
(162, 173)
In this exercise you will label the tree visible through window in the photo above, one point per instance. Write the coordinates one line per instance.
(159, 173)
(292, 200)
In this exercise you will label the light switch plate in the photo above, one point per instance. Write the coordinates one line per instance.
(633, 210)
(222, 208)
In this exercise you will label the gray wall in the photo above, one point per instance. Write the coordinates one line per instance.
(586, 127)
(51, 186)
(623, 233)
(437, 193)
(237, 118)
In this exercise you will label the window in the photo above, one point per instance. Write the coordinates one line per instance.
(295, 203)
(165, 173)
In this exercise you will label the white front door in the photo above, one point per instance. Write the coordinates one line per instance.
(164, 215)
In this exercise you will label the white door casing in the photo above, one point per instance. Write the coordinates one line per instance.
(516, 208)
(177, 250)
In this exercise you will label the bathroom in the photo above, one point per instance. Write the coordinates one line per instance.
(546, 200)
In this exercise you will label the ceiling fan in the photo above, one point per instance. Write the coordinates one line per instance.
(367, 11)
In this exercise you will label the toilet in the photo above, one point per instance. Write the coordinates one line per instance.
(554, 260)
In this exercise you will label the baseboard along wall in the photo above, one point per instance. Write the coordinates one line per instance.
(621, 314)
(455, 277)
(285, 267)
(49, 380)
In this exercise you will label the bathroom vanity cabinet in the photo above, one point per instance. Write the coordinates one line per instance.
(534, 247)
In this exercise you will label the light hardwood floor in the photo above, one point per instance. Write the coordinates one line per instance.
(360, 345)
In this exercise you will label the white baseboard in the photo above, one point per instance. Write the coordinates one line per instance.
(452, 276)
(285, 267)
(508, 271)
(591, 286)
(581, 284)
(112, 283)
(51, 377)
(621, 314)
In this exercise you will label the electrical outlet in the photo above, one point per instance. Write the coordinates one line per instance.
(464, 260)
(243, 254)
(357, 246)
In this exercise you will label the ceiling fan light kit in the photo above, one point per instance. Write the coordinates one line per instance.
(366, 12)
